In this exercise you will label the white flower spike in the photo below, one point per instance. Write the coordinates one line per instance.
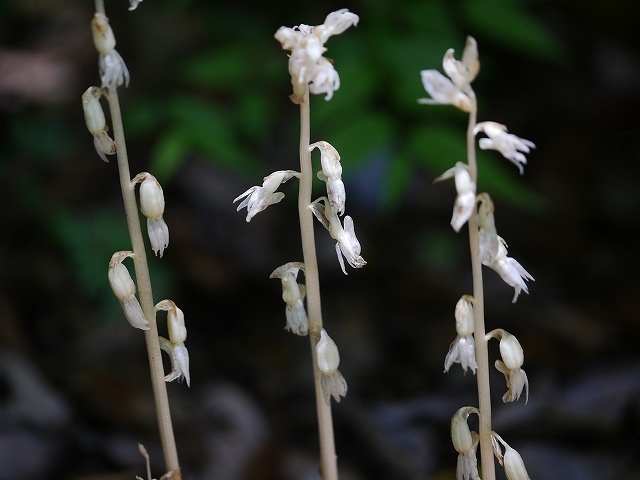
(328, 359)
(96, 122)
(348, 245)
(259, 198)
(113, 71)
(308, 68)
(124, 289)
(331, 174)
(466, 200)
(293, 294)
(152, 207)
(462, 349)
(465, 442)
(511, 460)
(511, 365)
(510, 146)
(175, 345)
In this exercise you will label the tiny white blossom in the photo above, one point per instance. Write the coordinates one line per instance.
(510, 270)
(331, 173)
(462, 349)
(511, 365)
(96, 122)
(443, 91)
(175, 345)
(465, 442)
(152, 207)
(510, 146)
(516, 382)
(348, 245)
(124, 289)
(466, 199)
(308, 68)
(511, 460)
(293, 294)
(259, 198)
(113, 71)
(328, 359)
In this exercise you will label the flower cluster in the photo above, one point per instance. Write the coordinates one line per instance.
(113, 71)
(97, 123)
(152, 207)
(124, 289)
(293, 295)
(328, 359)
(174, 346)
(308, 68)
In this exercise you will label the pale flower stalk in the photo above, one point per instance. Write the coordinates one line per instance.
(293, 294)
(256, 199)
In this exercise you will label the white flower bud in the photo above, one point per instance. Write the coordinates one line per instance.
(511, 460)
(511, 351)
(293, 294)
(464, 316)
(103, 37)
(327, 355)
(175, 321)
(151, 196)
(470, 58)
(121, 282)
(93, 112)
(465, 442)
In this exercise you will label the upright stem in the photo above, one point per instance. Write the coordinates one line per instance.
(145, 293)
(328, 461)
(482, 354)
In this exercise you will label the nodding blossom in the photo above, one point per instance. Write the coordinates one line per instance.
(259, 198)
(331, 174)
(174, 346)
(511, 365)
(113, 71)
(511, 460)
(510, 146)
(97, 123)
(293, 294)
(124, 289)
(328, 359)
(308, 68)
(462, 349)
(152, 207)
(465, 442)
(465, 202)
(348, 245)
(454, 90)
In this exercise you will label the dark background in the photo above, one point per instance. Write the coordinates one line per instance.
(207, 113)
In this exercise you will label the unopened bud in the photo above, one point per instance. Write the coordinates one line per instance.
(327, 355)
(464, 316)
(103, 37)
(151, 196)
(119, 277)
(460, 432)
(93, 112)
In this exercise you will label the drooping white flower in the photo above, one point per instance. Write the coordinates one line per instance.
(308, 68)
(511, 460)
(152, 207)
(97, 123)
(259, 198)
(510, 270)
(465, 202)
(175, 345)
(113, 71)
(462, 349)
(510, 146)
(348, 245)
(465, 442)
(511, 365)
(124, 289)
(328, 359)
(293, 294)
(455, 89)
(331, 174)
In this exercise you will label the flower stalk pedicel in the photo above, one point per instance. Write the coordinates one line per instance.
(486, 248)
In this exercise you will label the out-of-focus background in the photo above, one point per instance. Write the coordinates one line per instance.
(207, 113)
